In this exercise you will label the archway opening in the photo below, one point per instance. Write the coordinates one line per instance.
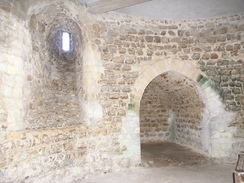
(171, 114)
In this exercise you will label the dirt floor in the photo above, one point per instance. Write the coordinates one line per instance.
(170, 154)
(170, 174)
(169, 163)
(161, 163)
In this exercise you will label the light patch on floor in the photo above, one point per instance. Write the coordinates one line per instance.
(171, 174)
(171, 154)
(169, 163)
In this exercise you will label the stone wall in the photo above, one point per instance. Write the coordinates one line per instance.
(43, 133)
(188, 108)
(141, 45)
(31, 153)
(52, 78)
(154, 113)
(129, 46)
(12, 55)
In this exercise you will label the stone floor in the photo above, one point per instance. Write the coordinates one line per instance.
(170, 174)
(170, 163)
(171, 154)
(161, 163)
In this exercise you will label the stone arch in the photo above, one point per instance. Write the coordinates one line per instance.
(171, 109)
(130, 137)
(188, 69)
(210, 144)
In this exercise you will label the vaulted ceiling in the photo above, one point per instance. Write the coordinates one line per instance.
(168, 9)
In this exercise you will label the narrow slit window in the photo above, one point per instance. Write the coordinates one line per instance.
(65, 41)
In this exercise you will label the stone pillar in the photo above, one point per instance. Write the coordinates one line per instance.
(12, 56)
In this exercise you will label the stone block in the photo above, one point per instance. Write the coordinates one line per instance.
(122, 50)
(7, 91)
(157, 39)
(126, 68)
(221, 38)
(229, 48)
(149, 39)
(107, 57)
(96, 27)
(214, 56)
(129, 60)
(222, 30)
(171, 33)
(163, 33)
(131, 51)
(141, 32)
(222, 62)
(211, 40)
(205, 56)
(240, 27)
(14, 70)
(112, 49)
(132, 31)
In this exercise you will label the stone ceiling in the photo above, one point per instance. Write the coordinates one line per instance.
(181, 9)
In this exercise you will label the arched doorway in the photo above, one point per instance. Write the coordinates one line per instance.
(210, 121)
(171, 110)
(130, 137)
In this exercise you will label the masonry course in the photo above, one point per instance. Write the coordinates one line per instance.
(60, 114)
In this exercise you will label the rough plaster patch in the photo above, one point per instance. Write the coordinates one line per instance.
(130, 137)
(171, 121)
(92, 112)
(217, 136)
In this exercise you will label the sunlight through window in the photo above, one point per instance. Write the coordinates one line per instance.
(65, 41)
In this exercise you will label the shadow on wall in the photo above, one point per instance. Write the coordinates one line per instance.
(171, 109)
(54, 82)
(53, 140)
(171, 122)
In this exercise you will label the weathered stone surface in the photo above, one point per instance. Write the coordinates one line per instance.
(157, 39)
(196, 56)
(132, 31)
(214, 56)
(172, 33)
(149, 39)
(223, 30)
(62, 114)
(205, 56)
(158, 123)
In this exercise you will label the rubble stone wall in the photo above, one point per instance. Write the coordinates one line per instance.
(130, 46)
(52, 77)
(66, 118)
(41, 131)
(154, 114)
(171, 109)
